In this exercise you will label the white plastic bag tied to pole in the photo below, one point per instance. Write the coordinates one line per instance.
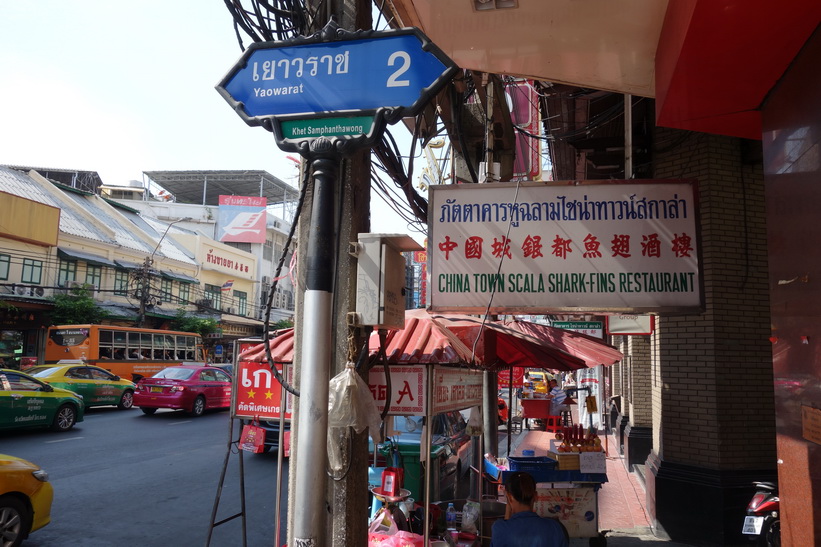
(350, 404)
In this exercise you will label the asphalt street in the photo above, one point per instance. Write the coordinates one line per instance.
(123, 478)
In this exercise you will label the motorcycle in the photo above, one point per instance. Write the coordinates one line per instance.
(763, 521)
(503, 411)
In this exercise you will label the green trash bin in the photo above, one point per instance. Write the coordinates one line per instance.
(414, 476)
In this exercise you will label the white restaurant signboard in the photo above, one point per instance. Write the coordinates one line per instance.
(536, 247)
(454, 388)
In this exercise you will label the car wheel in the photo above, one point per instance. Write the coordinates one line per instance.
(148, 411)
(127, 400)
(65, 418)
(199, 406)
(14, 521)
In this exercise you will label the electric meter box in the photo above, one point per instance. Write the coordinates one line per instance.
(380, 279)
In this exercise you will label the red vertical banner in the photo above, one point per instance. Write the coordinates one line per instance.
(421, 258)
(524, 112)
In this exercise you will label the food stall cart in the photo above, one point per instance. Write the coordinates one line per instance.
(426, 390)
(567, 486)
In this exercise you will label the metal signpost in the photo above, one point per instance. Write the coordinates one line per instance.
(324, 96)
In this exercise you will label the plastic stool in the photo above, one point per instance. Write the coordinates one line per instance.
(553, 423)
(566, 417)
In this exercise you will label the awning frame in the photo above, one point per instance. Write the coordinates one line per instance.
(71, 254)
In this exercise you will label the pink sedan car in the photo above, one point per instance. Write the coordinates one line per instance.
(192, 388)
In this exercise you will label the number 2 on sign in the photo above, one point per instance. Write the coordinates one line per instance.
(404, 58)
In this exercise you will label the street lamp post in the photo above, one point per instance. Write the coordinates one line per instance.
(145, 274)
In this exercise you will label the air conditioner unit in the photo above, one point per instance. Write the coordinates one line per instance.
(266, 280)
(231, 310)
(39, 291)
(74, 284)
(204, 303)
(21, 290)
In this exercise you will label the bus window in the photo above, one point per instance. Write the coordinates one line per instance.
(126, 351)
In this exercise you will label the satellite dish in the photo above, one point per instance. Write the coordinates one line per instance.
(21, 290)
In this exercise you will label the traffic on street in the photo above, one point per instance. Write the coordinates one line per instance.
(122, 477)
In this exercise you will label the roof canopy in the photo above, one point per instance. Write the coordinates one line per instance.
(205, 187)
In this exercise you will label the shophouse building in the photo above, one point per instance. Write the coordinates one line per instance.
(139, 269)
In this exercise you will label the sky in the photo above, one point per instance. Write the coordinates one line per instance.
(126, 87)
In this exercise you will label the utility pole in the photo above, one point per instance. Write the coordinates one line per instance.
(144, 290)
(344, 499)
(144, 295)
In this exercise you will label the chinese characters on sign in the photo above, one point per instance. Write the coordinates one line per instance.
(605, 246)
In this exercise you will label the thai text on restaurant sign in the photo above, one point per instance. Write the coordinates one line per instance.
(454, 388)
(616, 247)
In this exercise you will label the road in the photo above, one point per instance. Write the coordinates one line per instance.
(123, 478)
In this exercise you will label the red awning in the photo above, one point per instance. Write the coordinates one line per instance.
(282, 349)
(593, 351)
(499, 346)
(422, 341)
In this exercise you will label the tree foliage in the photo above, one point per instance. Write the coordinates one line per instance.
(190, 323)
(76, 307)
(282, 324)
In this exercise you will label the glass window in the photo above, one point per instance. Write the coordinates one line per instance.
(242, 302)
(32, 271)
(5, 264)
(185, 293)
(98, 374)
(166, 287)
(121, 283)
(94, 275)
(67, 272)
(268, 249)
(214, 294)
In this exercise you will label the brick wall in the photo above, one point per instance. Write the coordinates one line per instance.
(641, 408)
(711, 373)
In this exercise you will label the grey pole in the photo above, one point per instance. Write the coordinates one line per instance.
(310, 515)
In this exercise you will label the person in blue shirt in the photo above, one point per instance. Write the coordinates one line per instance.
(522, 527)
(557, 397)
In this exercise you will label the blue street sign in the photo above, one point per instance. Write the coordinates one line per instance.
(398, 70)
(218, 349)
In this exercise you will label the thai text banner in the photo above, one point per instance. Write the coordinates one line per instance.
(257, 392)
(538, 248)
(454, 388)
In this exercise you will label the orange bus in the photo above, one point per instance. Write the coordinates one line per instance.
(128, 352)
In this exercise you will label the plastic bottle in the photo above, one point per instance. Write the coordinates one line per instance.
(450, 516)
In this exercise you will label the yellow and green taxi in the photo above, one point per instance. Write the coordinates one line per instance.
(26, 401)
(97, 386)
(25, 499)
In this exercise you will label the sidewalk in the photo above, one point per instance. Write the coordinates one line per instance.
(622, 515)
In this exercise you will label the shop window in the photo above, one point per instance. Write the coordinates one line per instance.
(242, 302)
(67, 272)
(166, 288)
(5, 265)
(32, 271)
(214, 294)
(121, 283)
(94, 275)
(185, 293)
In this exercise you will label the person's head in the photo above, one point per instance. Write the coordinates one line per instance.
(553, 383)
(522, 488)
